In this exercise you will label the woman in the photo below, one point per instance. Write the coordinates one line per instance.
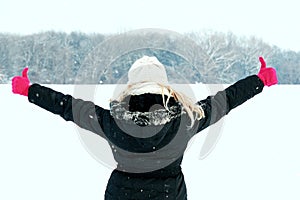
(148, 125)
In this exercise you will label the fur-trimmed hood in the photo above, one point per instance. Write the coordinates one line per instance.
(145, 109)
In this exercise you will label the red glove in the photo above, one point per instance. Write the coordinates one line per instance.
(20, 84)
(267, 75)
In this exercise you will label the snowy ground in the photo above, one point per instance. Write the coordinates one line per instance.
(257, 156)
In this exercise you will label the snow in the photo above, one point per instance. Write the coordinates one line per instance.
(256, 157)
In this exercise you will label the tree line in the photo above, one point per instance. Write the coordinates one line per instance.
(78, 58)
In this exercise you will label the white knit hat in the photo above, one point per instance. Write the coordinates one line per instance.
(147, 69)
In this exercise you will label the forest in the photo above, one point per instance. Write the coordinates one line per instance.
(207, 57)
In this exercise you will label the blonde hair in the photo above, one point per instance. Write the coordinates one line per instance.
(193, 110)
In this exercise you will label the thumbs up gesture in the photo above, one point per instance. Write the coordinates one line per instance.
(267, 74)
(20, 84)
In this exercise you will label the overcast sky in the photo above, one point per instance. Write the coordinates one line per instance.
(276, 22)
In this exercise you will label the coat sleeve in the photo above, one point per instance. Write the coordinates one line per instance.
(85, 114)
(219, 105)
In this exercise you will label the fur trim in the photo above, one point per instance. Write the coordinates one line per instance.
(157, 117)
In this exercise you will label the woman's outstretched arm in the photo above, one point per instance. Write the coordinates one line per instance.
(85, 114)
(219, 105)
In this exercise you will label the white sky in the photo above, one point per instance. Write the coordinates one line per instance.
(275, 21)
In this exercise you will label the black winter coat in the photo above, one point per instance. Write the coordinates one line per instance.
(149, 153)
